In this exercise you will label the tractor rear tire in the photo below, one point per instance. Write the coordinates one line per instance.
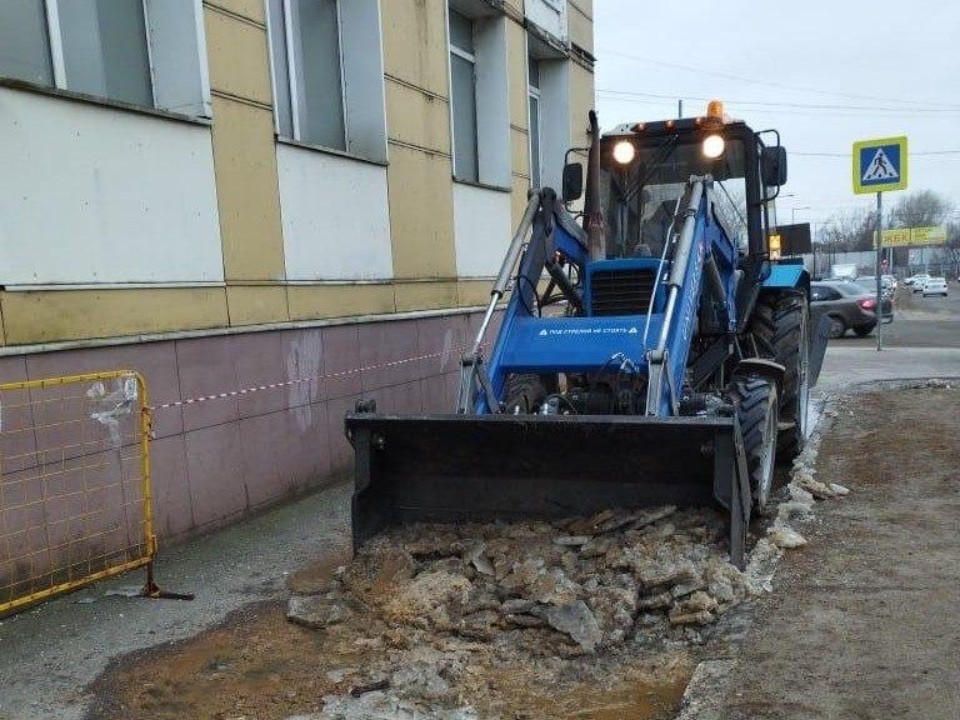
(524, 393)
(755, 399)
(781, 325)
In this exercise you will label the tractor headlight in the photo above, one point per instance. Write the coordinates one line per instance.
(624, 152)
(713, 146)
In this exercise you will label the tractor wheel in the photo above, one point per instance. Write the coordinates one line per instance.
(781, 325)
(524, 394)
(755, 398)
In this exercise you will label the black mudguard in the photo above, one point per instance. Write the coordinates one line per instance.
(449, 468)
(820, 322)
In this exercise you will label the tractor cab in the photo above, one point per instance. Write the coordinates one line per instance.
(645, 169)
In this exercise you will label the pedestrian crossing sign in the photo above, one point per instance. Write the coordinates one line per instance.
(880, 165)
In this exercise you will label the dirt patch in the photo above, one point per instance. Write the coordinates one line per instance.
(865, 620)
(591, 618)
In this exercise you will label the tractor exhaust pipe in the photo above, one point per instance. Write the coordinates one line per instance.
(592, 216)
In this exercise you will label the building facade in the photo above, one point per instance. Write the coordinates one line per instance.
(311, 195)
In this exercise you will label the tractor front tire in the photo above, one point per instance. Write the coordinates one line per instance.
(781, 325)
(755, 399)
(524, 393)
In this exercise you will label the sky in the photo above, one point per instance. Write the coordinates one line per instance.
(823, 73)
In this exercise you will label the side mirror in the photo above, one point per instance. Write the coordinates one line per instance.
(572, 181)
(773, 166)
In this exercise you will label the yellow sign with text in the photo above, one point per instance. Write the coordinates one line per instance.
(935, 235)
(905, 237)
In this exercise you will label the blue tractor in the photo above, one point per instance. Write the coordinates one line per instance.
(657, 351)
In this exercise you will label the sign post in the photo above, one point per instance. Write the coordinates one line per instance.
(880, 165)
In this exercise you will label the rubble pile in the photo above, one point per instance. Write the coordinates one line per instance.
(450, 621)
(433, 610)
(563, 588)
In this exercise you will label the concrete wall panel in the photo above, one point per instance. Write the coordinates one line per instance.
(418, 119)
(581, 102)
(257, 304)
(425, 295)
(310, 302)
(335, 214)
(483, 229)
(421, 214)
(415, 43)
(580, 23)
(517, 57)
(246, 171)
(90, 194)
(549, 15)
(239, 60)
(251, 9)
(37, 317)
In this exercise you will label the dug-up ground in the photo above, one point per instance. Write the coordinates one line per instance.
(601, 617)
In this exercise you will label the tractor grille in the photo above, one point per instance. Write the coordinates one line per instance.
(621, 292)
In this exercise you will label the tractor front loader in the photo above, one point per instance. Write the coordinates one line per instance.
(657, 354)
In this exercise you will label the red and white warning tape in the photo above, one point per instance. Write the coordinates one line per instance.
(296, 381)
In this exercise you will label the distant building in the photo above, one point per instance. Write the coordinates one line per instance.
(230, 193)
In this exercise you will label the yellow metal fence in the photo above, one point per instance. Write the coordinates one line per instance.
(75, 496)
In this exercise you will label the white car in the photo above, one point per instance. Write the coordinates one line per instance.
(935, 286)
(918, 281)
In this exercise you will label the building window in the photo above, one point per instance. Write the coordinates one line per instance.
(328, 74)
(533, 91)
(463, 89)
(479, 112)
(548, 92)
(142, 52)
(307, 38)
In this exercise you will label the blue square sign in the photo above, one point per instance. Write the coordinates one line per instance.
(880, 165)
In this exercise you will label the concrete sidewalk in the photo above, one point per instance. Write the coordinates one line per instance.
(48, 655)
(848, 365)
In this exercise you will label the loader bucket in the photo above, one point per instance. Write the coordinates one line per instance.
(450, 468)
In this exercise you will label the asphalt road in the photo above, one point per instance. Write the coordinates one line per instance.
(919, 322)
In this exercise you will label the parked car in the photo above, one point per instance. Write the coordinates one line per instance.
(935, 286)
(849, 307)
(916, 282)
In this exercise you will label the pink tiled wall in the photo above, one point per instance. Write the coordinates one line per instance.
(215, 461)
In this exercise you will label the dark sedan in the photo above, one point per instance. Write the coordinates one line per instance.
(849, 307)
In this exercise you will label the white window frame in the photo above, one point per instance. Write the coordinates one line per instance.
(490, 96)
(362, 87)
(55, 36)
(292, 67)
(472, 59)
(181, 87)
(533, 93)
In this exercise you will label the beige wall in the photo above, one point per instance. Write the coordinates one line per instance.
(419, 179)
(580, 23)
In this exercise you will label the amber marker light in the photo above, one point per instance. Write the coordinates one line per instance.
(775, 247)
